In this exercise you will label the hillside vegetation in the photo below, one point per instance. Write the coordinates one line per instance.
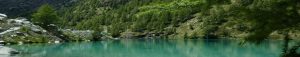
(185, 18)
(24, 8)
(179, 19)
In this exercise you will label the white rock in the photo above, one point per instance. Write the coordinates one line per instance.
(20, 43)
(1, 41)
(10, 30)
(44, 31)
(6, 50)
(52, 25)
(19, 21)
(49, 42)
(2, 16)
(56, 41)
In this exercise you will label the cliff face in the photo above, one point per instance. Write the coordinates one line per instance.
(23, 8)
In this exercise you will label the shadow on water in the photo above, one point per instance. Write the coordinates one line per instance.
(290, 51)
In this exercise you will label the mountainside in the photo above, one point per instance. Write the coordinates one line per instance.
(185, 18)
(24, 8)
(247, 22)
(247, 19)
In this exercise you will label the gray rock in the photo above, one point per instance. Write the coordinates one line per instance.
(21, 28)
(83, 34)
(2, 16)
(8, 51)
(10, 30)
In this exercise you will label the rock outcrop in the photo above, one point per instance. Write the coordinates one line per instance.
(20, 30)
(7, 51)
(78, 35)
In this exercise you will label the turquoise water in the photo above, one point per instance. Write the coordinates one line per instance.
(152, 48)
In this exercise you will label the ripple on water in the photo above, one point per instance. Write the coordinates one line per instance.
(152, 48)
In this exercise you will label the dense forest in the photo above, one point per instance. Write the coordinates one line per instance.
(24, 8)
(176, 19)
(245, 20)
(184, 18)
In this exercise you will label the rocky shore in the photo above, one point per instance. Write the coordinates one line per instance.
(6, 51)
(21, 30)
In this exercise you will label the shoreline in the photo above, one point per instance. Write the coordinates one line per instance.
(3, 43)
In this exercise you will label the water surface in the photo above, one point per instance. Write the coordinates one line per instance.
(152, 48)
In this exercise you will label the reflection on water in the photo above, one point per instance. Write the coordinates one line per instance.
(152, 48)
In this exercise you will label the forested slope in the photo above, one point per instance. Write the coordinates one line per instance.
(185, 18)
(24, 8)
(249, 19)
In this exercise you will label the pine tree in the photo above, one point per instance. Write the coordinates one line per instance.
(45, 16)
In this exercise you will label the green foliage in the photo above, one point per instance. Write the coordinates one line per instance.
(116, 29)
(27, 39)
(158, 15)
(45, 15)
(24, 29)
(266, 15)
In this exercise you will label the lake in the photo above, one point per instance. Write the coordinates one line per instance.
(152, 48)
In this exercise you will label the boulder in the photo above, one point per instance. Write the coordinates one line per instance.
(2, 16)
(8, 51)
